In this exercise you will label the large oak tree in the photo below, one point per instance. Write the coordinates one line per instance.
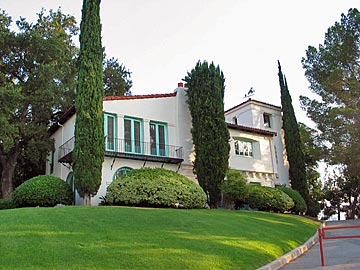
(37, 71)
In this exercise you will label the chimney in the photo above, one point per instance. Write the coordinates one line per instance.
(180, 84)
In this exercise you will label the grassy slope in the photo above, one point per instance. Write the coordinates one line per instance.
(137, 238)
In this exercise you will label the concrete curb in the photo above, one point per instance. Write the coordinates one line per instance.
(288, 257)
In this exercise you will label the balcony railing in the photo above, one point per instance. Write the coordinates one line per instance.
(129, 149)
(65, 151)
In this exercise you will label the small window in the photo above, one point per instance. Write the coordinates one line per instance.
(235, 120)
(243, 148)
(255, 183)
(121, 171)
(267, 118)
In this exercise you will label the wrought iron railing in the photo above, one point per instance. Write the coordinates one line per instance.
(129, 147)
(143, 148)
(66, 149)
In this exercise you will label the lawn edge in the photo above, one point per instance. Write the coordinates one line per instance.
(293, 254)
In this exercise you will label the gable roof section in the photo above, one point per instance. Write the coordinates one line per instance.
(253, 101)
(70, 112)
(252, 130)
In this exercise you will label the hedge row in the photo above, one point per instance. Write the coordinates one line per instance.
(238, 194)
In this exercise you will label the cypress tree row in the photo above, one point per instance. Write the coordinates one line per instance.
(296, 159)
(89, 128)
(209, 130)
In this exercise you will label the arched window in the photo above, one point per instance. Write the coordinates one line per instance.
(70, 181)
(121, 171)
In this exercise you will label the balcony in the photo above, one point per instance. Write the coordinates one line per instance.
(120, 148)
(65, 151)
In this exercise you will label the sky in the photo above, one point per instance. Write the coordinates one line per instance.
(159, 41)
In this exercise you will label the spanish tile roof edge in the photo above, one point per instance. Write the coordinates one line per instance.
(252, 129)
(139, 96)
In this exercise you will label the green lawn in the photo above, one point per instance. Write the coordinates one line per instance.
(67, 238)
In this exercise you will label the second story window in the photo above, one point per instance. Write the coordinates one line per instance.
(244, 148)
(158, 139)
(133, 135)
(110, 132)
(267, 120)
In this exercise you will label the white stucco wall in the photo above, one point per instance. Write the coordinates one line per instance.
(261, 167)
(62, 135)
(250, 113)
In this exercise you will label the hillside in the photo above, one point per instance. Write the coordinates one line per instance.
(143, 238)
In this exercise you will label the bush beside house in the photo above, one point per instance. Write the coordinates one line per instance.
(238, 194)
(155, 187)
(43, 190)
(269, 199)
(299, 202)
(235, 190)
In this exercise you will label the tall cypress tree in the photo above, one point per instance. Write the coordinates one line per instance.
(296, 159)
(89, 129)
(209, 130)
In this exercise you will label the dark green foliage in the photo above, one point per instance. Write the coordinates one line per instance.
(117, 79)
(313, 209)
(155, 188)
(269, 199)
(89, 129)
(37, 73)
(313, 154)
(299, 202)
(209, 130)
(333, 71)
(234, 189)
(38, 70)
(296, 159)
(6, 203)
(43, 190)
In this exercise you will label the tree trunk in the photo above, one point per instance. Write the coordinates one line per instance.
(352, 208)
(87, 199)
(8, 168)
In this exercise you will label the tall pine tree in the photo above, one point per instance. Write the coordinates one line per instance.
(296, 159)
(89, 129)
(209, 130)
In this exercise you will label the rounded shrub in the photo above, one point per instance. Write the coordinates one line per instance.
(155, 188)
(299, 202)
(43, 190)
(269, 199)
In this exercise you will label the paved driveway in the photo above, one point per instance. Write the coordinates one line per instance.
(338, 253)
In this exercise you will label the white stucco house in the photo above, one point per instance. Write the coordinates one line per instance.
(154, 131)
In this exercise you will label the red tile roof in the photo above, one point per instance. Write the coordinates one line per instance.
(139, 97)
(252, 130)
